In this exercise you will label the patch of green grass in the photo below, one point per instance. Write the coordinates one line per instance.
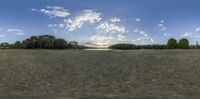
(81, 73)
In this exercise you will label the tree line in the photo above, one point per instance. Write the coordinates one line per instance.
(51, 42)
(43, 42)
(171, 44)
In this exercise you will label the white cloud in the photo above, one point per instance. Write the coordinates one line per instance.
(121, 38)
(115, 20)
(16, 31)
(111, 27)
(197, 30)
(162, 26)
(162, 21)
(144, 33)
(109, 33)
(187, 34)
(19, 33)
(138, 19)
(90, 16)
(143, 39)
(56, 25)
(167, 34)
(99, 40)
(54, 11)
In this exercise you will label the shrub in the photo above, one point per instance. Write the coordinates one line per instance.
(172, 44)
(183, 44)
(124, 46)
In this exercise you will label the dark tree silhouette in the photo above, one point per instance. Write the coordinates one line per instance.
(183, 44)
(172, 43)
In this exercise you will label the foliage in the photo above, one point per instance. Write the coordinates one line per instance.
(73, 44)
(183, 44)
(18, 45)
(48, 42)
(4, 45)
(172, 43)
(124, 46)
(60, 44)
(155, 46)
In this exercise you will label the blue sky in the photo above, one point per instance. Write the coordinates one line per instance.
(101, 22)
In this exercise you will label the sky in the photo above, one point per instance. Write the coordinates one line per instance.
(101, 22)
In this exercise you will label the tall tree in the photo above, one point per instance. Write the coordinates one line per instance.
(172, 43)
(60, 44)
(18, 45)
(183, 43)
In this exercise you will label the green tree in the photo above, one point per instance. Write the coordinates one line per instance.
(18, 45)
(172, 43)
(29, 44)
(60, 44)
(5, 45)
(183, 43)
(72, 44)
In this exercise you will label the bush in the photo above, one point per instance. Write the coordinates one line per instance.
(172, 44)
(155, 46)
(183, 44)
(124, 46)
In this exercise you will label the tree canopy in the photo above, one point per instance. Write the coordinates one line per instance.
(183, 44)
(172, 43)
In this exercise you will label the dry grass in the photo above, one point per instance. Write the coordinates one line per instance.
(80, 73)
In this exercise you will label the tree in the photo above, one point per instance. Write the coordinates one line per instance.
(124, 46)
(5, 45)
(183, 43)
(197, 45)
(60, 44)
(29, 44)
(172, 43)
(73, 44)
(18, 45)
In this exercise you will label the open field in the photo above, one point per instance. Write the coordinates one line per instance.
(81, 73)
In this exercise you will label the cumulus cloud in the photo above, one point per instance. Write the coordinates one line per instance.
(16, 31)
(54, 11)
(109, 33)
(162, 26)
(187, 34)
(111, 27)
(100, 40)
(89, 16)
(115, 20)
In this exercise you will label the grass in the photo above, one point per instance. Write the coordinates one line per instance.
(81, 73)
